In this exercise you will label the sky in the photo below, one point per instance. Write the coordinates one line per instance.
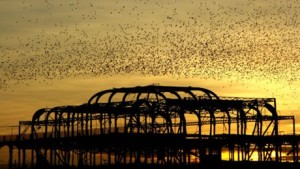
(61, 52)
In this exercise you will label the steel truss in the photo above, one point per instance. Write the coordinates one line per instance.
(155, 125)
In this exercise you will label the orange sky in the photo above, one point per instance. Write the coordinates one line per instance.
(62, 52)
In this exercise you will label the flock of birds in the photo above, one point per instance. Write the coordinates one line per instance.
(223, 40)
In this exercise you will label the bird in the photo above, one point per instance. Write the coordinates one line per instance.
(204, 40)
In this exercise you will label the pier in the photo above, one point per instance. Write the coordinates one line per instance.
(156, 127)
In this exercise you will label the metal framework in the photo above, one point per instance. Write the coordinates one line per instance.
(155, 125)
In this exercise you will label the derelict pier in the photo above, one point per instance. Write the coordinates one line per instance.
(148, 126)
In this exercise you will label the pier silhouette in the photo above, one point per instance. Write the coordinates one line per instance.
(156, 127)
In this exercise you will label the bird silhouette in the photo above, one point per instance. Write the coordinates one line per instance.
(236, 42)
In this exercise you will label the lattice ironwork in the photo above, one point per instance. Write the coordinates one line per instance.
(155, 125)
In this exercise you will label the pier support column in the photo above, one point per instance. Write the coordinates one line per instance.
(10, 161)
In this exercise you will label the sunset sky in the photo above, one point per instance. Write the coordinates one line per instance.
(61, 52)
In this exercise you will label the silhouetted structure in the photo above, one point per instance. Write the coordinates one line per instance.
(148, 126)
